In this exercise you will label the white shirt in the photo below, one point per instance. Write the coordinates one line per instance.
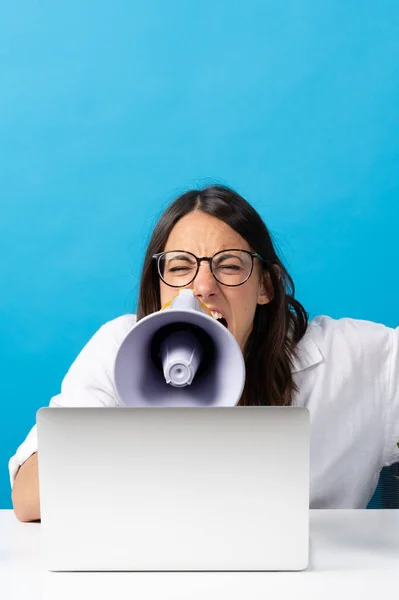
(347, 374)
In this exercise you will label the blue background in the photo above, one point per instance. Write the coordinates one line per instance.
(110, 110)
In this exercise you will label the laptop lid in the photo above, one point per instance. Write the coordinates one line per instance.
(174, 488)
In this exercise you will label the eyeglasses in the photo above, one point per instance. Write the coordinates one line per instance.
(178, 268)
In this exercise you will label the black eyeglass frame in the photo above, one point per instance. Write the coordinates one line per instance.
(157, 257)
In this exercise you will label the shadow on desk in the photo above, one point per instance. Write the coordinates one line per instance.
(348, 540)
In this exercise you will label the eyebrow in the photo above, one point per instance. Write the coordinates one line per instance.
(181, 257)
(226, 256)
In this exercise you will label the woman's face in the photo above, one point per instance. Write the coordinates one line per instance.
(204, 235)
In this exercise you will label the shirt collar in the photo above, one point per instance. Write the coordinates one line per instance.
(308, 352)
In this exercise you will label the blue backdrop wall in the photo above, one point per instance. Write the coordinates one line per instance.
(109, 110)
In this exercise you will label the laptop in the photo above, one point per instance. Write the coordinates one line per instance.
(174, 489)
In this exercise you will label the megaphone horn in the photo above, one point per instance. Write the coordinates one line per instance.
(179, 356)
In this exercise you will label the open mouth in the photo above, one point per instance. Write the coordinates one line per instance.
(219, 317)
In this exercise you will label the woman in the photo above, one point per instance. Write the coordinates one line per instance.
(346, 372)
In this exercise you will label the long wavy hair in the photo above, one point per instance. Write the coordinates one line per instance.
(278, 326)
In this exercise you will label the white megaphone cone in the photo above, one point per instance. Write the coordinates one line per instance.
(180, 356)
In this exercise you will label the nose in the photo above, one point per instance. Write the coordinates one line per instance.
(205, 285)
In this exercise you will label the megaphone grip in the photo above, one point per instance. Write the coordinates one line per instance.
(181, 355)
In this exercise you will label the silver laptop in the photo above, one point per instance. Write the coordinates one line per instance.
(180, 489)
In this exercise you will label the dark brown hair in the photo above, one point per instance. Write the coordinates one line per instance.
(278, 326)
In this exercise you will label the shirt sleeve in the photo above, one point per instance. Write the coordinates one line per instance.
(88, 382)
(392, 427)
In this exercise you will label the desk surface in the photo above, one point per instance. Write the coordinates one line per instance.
(353, 553)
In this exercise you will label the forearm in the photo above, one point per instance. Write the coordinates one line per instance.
(25, 492)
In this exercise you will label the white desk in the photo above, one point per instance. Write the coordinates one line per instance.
(353, 554)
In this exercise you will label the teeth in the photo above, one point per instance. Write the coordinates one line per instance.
(216, 315)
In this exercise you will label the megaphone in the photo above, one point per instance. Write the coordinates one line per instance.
(179, 356)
